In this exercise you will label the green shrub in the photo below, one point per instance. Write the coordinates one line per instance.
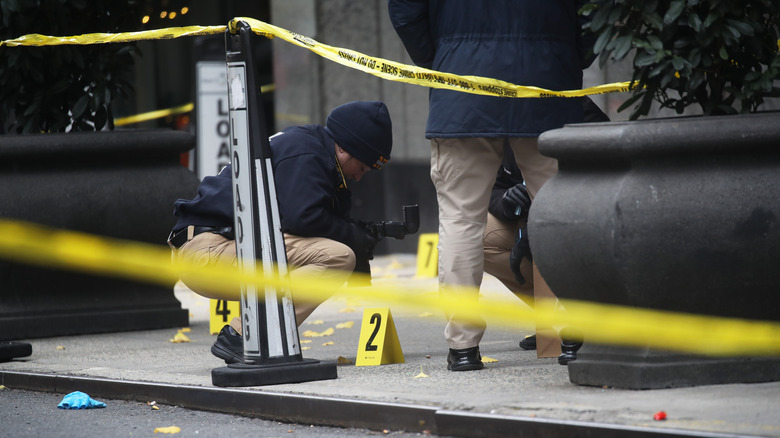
(721, 55)
(64, 88)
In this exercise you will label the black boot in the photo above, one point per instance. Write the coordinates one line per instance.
(568, 351)
(528, 342)
(571, 341)
(229, 346)
(466, 359)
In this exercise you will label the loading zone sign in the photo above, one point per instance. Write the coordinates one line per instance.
(213, 118)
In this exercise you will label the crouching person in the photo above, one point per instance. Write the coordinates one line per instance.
(312, 165)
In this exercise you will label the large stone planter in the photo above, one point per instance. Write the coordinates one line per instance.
(119, 184)
(676, 214)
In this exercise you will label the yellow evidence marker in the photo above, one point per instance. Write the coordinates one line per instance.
(221, 312)
(428, 255)
(378, 344)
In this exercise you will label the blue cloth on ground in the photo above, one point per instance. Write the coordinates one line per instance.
(79, 400)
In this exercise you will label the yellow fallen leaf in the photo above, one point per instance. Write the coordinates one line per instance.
(421, 375)
(169, 429)
(156, 408)
(180, 337)
(486, 359)
(306, 341)
(329, 343)
(347, 310)
(60, 347)
(344, 325)
(425, 315)
(344, 361)
(185, 330)
(3, 386)
(313, 334)
(305, 348)
(316, 322)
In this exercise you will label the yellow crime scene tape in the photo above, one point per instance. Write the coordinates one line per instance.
(380, 67)
(620, 325)
(396, 71)
(37, 40)
(383, 68)
(181, 109)
(151, 115)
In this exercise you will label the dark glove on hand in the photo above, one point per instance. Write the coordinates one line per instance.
(365, 240)
(516, 202)
(367, 247)
(519, 250)
(373, 229)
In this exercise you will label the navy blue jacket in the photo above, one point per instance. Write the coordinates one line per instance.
(313, 200)
(525, 42)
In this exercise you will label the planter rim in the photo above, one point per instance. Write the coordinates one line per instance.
(135, 141)
(655, 137)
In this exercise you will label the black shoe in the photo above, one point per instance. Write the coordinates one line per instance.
(528, 342)
(229, 346)
(568, 351)
(466, 359)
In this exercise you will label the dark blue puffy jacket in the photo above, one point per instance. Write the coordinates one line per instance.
(525, 42)
(313, 200)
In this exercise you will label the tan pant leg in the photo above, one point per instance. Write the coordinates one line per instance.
(498, 241)
(316, 258)
(463, 172)
(203, 250)
(535, 167)
(306, 256)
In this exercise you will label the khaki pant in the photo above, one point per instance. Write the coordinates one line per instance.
(312, 257)
(463, 171)
(498, 241)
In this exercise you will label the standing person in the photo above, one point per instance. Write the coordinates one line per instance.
(311, 166)
(519, 41)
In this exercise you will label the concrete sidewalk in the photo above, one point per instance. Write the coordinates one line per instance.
(517, 395)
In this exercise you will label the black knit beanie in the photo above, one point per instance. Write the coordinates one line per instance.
(364, 130)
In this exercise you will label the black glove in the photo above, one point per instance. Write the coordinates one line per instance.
(519, 250)
(373, 230)
(516, 202)
(367, 245)
(363, 239)
(365, 242)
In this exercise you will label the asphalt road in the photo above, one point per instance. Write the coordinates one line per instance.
(35, 414)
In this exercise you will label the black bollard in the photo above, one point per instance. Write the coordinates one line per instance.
(12, 349)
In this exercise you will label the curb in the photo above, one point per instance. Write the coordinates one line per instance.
(325, 411)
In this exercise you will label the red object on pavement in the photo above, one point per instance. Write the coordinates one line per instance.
(659, 416)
